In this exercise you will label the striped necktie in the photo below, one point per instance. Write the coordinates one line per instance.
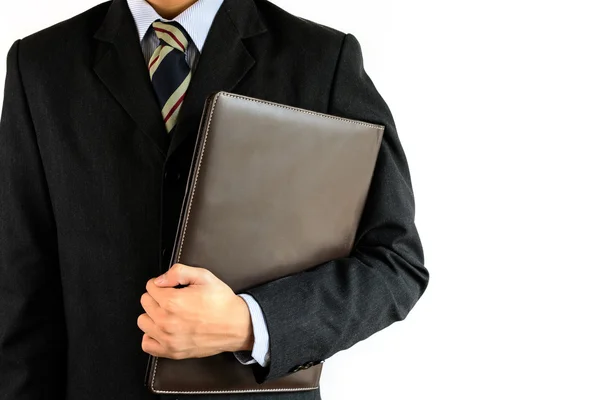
(169, 71)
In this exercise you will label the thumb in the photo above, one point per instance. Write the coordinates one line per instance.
(180, 274)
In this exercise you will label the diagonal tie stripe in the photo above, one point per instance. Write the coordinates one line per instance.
(160, 53)
(170, 110)
(171, 33)
(170, 39)
(169, 71)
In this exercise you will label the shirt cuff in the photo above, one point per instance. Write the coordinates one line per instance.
(260, 350)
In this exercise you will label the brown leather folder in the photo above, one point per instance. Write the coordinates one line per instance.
(273, 190)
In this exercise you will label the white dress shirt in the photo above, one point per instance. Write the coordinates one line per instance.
(197, 20)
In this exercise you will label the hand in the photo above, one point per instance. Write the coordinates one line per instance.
(200, 320)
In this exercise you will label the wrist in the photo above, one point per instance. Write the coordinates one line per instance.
(242, 331)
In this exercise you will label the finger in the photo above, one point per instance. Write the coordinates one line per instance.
(150, 305)
(180, 274)
(152, 346)
(148, 326)
(159, 294)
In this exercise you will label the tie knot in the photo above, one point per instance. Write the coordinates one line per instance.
(171, 34)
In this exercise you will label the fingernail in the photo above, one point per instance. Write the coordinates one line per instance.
(160, 279)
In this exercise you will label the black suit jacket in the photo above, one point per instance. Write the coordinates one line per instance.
(91, 190)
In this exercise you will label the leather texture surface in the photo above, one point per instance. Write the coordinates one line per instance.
(273, 190)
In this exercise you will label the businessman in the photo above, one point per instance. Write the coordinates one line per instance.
(96, 136)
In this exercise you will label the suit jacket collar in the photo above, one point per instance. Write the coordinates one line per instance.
(224, 61)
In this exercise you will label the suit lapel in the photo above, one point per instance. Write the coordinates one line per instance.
(120, 65)
(223, 63)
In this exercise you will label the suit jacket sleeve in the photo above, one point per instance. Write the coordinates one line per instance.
(314, 314)
(32, 327)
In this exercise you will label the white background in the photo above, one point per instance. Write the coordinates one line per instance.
(497, 104)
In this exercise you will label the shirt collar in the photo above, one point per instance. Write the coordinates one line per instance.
(196, 20)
